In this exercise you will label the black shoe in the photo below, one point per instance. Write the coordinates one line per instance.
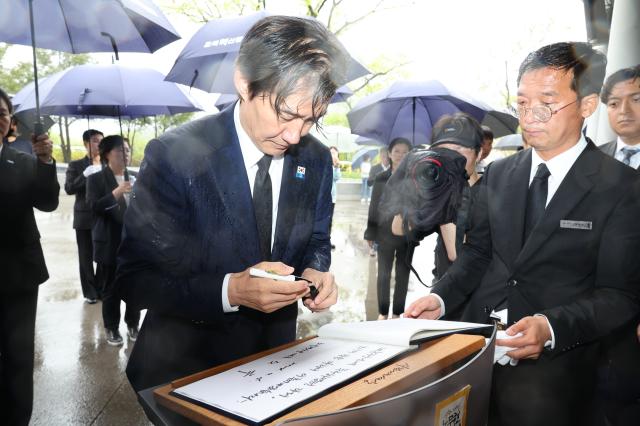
(132, 333)
(113, 337)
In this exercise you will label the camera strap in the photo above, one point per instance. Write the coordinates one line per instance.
(408, 261)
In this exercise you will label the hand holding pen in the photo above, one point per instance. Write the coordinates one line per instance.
(266, 294)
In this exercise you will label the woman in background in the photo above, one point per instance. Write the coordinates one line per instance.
(108, 193)
(389, 245)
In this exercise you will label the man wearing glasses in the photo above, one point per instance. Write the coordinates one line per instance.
(552, 248)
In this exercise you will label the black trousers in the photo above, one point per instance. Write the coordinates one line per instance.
(17, 328)
(547, 392)
(90, 281)
(386, 254)
(111, 303)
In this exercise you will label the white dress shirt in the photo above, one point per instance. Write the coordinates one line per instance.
(251, 155)
(558, 166)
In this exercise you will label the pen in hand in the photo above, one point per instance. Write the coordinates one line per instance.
(313, 291)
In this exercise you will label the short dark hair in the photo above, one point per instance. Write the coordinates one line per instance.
(487, 133)
(86, 136)
(588, 65)
(280, 52)
(400, 141)
(334, 147)
(624, 74)
(108, 144)
(7, 100)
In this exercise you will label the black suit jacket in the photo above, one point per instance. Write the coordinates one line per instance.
(190, 222)
(108, 212)
(619, 368)
(584, 276)
(25, 183)
(76, 184)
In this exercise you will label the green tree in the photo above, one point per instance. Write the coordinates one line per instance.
(166, 122)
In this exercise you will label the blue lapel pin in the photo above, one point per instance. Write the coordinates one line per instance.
(300, 171)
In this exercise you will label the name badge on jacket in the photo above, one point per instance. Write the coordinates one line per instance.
(576, 224)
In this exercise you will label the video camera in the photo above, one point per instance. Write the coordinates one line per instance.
(425, 190)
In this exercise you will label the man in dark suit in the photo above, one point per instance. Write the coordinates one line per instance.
(192, 230)
(382, 166)
(25, 182)
(76, 183)
(621, 95)
(619, 370)
(553, 245)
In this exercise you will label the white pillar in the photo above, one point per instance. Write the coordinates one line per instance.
(623, 51)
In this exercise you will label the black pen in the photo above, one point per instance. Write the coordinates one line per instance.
(255, 272)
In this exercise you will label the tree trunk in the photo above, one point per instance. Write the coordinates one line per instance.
(61, 132)
(66, 151)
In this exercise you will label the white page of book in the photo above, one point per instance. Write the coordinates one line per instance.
(398, 331)
(262, 388)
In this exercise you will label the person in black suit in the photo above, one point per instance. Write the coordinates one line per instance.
(382, 166)
(108, 195)
(26, 181)
(621, 95)
(552, 247)
(619, 369)
(390, 246)
(76, 183)
(248, 187)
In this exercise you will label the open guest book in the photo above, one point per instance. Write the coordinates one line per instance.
(263, 389)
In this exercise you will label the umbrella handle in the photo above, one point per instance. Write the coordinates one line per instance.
(38, 128)
(114, 46)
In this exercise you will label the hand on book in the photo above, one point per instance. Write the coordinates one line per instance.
(265, 294)
(427, 307)
(327, 290)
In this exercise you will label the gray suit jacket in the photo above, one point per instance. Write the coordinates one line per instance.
(609, 148)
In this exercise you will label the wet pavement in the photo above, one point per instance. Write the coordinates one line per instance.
(79, 379)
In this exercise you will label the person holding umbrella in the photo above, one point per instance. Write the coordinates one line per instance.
(245, 188)
(25, 182)
(389, 246)
(108, 195)
(76, 184)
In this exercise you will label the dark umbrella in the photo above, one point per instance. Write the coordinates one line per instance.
(226, 99)
(112, 90)
(82, 26)
(409, 109)
(207, 61)
(108, 91)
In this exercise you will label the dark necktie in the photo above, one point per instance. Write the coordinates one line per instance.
(536, 199)
(263, 206)
(628, 153)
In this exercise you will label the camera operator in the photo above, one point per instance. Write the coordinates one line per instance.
(463, 134)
